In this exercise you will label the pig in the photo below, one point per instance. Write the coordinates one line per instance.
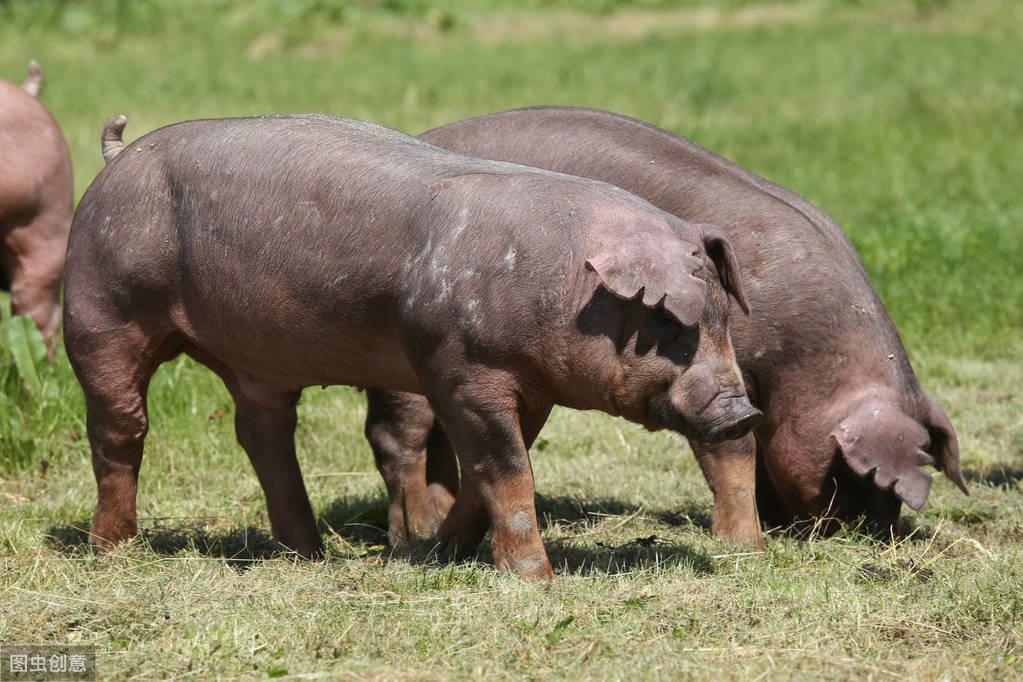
(35, 203)
(847, 427)
(291, 251)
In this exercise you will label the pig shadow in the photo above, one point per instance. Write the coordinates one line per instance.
(238, 547)
(555, 509)
(363, 520)
(640, 552)
(357, 519)
(636, 554)
(998, 476)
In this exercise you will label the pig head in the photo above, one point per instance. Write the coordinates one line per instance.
(708, 399)
(860, 456)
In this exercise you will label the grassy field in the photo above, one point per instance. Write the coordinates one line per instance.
(904, 120)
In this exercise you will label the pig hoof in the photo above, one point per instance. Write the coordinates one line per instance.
(455, 549)
(306, 553)
(535, 567)
(310, 550)
(422, 529)
(104, 538)
(449, 551)
(100, 545)
(747, 537)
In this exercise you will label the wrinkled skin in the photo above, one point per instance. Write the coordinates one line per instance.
(846, 426)
(293, 251)
(35, 203)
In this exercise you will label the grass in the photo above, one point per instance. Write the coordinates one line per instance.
(904, 120)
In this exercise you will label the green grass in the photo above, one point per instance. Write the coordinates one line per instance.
(903, 120)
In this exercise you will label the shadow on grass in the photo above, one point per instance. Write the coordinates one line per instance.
(908, 530)
(239, 547)
(998, 476)
(361, 521)
(358, 519)
(552, 510)
(364, 520)
(637, 554)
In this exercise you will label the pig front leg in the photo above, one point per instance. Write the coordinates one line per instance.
(730, 470)
(442, 473)
(496, 487)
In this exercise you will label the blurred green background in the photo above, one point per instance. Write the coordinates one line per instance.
(903, 120)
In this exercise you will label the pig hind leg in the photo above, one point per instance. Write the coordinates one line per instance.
(442, 473)
(267, 434)
(114, 363)
(34, 265)
(401, 429)
(265, 422)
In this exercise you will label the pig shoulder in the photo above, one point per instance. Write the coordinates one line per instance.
(503, 258)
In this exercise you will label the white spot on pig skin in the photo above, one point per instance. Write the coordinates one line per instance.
(463, 222)
(444, 291)
(509, 258)
(472, 318)
(104, 231)
(520, 522)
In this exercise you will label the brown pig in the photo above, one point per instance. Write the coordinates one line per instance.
(35, 202)
(292, 251)
(847, 428)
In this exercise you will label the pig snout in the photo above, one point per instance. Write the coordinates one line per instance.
(729, 417)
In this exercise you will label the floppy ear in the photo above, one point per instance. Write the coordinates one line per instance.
(658, 264)
(719, 248)
(944, 443)
(879, 437)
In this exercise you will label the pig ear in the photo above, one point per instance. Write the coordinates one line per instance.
(659, 266)
(719, 248)
(879, 437)
(944, 443)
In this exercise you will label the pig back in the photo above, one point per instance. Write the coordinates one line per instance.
(35, 167)
(806, 285)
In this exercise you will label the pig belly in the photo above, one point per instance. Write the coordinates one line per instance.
(294, 356)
